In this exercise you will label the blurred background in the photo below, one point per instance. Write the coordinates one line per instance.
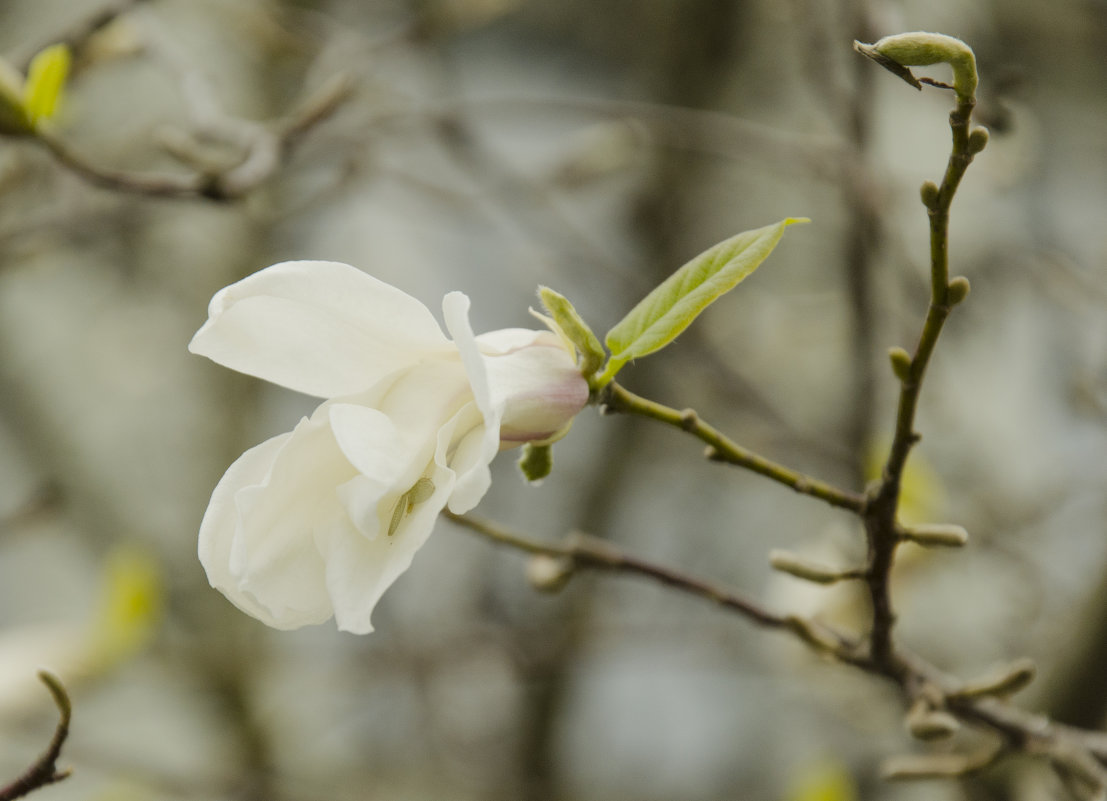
(592, 146)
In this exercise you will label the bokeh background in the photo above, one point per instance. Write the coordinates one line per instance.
(593, 146)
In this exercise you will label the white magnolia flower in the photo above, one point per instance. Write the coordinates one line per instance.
(320, 521)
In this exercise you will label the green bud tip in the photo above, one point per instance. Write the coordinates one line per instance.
(957, 290)
(901, 362)
(929, 193)
(570, 326)
(921, 49)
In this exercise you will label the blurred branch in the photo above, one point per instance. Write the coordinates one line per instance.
(266, 151)
(45, 769)
(78, 35)
(45, 498)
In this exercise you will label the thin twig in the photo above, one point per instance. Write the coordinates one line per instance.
(45, 771)
(590, 553)
(618, 399)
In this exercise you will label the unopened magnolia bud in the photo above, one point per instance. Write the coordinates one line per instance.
(937, 535)
(926, 723)
(901, 362)
(958, 290)
(549, 573)
(929, 193)
(978, 139)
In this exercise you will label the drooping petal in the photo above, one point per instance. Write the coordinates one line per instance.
(274, 562)
(220, 524)
(319, 327)
(473, 478)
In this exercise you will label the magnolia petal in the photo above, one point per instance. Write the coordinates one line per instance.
(471, 460)
(319, 327)
(274, 558)
(360, 570)
(217, 531)
(507, 340)
(474, 477)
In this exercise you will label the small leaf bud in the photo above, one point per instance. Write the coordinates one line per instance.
(957, 290)
(536, 462)
(1005, 682)
(549, 573)
(978, 139)
(926, 723)
(929, 194)
(937, 535)
(793, 565)
(901, 362)
(571, 326)
(926, 766)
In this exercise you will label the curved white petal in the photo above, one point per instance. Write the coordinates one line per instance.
(507, 340)
(318, 327)
(473, 478)
(273, 567)
(220, 523)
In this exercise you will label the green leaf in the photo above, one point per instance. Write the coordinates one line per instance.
(45, 79)
(660, 317)
(573, 328)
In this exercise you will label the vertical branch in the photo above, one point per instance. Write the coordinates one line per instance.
(880, 513)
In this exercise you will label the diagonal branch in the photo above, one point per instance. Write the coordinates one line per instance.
(618, 399)
(589, 553)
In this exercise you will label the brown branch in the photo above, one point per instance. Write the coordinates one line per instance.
(45, 771)
(589, 553)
